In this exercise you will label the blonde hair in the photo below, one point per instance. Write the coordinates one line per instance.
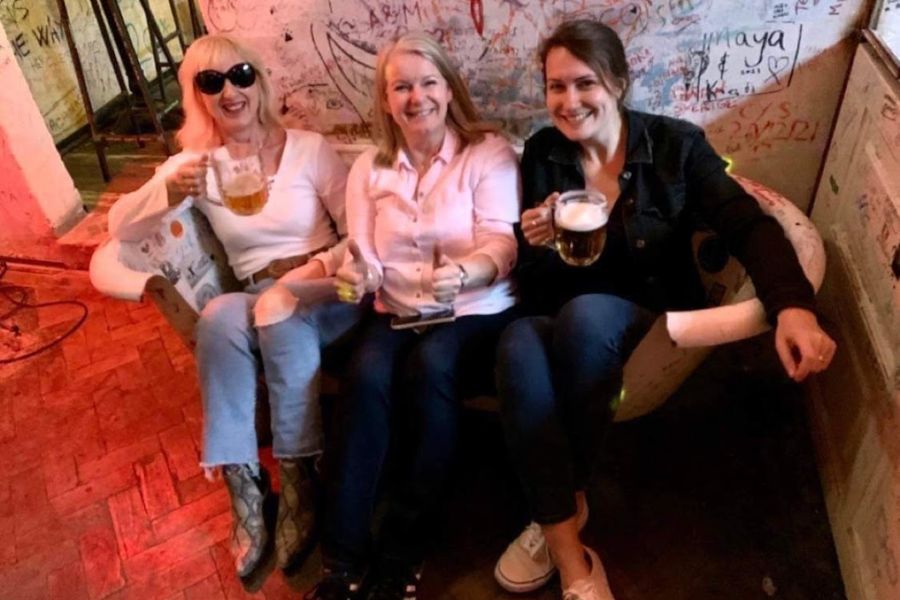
(199, 130)
(462, 117)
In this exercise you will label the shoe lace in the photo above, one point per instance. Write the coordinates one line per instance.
(583, 589)
(532, 539)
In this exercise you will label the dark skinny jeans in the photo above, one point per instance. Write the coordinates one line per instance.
(414, 381)
(559, 379)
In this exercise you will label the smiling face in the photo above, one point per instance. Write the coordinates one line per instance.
(581, 106)
(235, 110)
(417, 97)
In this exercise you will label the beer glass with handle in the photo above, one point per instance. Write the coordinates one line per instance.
(579, 223)
(240, 178)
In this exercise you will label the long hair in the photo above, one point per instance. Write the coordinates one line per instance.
(462, 117)
(597, 46)
(199, 130)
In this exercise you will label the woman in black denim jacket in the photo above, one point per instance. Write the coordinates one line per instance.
(560, 370)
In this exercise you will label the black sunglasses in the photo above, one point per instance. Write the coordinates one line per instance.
(210, 82)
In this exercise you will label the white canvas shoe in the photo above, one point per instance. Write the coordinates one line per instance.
(594, 586)
(526, 564)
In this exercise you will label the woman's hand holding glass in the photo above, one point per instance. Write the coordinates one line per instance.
(537, 222)
(355, 278)
(802, 345)
(188, 180)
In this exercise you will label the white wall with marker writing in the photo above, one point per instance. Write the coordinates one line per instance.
(763, 76)
(37, 39)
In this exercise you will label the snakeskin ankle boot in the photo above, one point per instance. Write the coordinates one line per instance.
(248, 534)
(295, 528)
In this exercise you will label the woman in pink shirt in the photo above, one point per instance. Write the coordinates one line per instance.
(430, 214)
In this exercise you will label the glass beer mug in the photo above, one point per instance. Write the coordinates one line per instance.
(579, 223)
(240, 178)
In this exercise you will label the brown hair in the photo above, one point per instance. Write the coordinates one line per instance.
(462, 117)
(594, 44)
(199, 131)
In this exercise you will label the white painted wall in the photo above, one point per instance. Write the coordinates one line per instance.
(886, 23)
(762, 76)
(31, 147)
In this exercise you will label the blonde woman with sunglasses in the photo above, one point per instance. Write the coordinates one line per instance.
(227, 100)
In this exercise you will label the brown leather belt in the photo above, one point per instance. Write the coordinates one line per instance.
(280, 266)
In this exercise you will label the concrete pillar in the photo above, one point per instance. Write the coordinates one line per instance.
(38, 199)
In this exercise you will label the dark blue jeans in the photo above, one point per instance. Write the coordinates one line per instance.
(412, 382)
(559, 379)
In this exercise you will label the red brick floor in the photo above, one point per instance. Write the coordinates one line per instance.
(100, 492)
(101, 495)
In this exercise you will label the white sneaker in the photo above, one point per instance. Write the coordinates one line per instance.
(526, 564)
(594, 586)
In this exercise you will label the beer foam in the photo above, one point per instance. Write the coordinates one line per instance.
(243, 184)
(581, 216)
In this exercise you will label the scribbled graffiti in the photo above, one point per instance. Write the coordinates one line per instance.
(878, 215)
(228, 16)
(885, 561)
(350, 68)
(889, 108)
(700, 70)
(728, 65)
(39, 44)
(629, 18)
(13, 12)
(476, 8)
(758, 126)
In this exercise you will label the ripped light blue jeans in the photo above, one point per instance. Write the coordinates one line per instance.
(228, 358)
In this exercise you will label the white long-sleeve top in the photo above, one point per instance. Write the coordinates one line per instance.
(304, 212)
(466, 203)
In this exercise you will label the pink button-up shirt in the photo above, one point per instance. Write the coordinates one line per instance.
(466, 204)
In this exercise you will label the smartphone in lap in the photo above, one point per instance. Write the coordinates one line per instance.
(423, 320)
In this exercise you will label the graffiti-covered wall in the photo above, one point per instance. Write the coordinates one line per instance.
(38, 41)
(763, 76)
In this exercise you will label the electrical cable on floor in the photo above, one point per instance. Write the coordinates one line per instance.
(19, 303)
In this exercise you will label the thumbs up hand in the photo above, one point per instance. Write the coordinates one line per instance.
(353, 278)
(447, 277)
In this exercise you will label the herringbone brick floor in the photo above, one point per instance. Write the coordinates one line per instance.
(713, 497)
(101, 495)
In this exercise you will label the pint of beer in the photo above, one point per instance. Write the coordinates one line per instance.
(245, 194)
(579, 220)
(240, 178)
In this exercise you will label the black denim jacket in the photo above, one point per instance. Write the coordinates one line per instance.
(673, 183)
